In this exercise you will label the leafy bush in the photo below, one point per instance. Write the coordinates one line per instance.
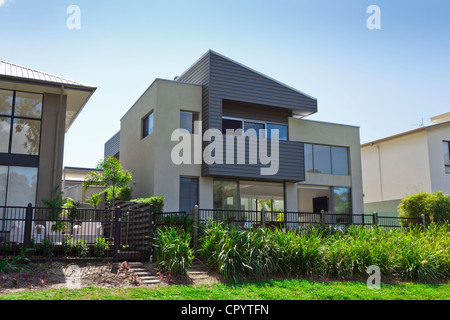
(100, 247)
(157, 201)
(46, 248)
(435, 206)
(122, 194)
(71, 247)
(82, 248)
(68, 245)
(174, 252)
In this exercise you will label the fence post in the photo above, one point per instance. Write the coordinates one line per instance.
(117, 229)
(423, 222)
(195, 228)
(322, 217)
(28, 226)
(151, 223)
(375, 218)
(263, 218)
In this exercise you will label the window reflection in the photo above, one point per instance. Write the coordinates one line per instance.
(22, 184)
(6, 101)
(342, 200)
(5, 129)
(26, 137)
(3, 182)
(322, 159)
(225, 194)
(28, 105)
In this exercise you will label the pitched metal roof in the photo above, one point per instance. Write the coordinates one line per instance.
(13, 70)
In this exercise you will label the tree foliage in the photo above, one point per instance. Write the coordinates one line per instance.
(109, 175)
(435, 206)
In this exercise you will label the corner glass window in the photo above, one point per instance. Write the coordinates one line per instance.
(147, 125)
(20, 122)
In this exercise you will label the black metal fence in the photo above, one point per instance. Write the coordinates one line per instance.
(129, 234)
(298, 220)
(117, 234)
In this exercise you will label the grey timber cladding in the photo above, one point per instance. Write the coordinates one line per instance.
(291, 164)
(223, 79)
(112, 147)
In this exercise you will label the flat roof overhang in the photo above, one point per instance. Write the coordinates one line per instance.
(77, 95)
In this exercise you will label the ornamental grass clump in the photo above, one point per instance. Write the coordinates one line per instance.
(174, 253)
(424, 255)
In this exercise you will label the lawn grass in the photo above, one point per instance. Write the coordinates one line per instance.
(262, 290)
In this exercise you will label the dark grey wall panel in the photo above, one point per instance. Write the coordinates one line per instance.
(112, 147)
(224, 79)
(291, 164)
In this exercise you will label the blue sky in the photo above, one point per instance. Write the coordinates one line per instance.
(384, 81)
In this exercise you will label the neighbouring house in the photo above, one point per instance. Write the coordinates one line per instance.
(410, 162)
(72, 184)
(36, 110)
(319, 165)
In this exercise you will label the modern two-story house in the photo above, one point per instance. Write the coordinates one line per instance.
(36, 110)
(270, 151)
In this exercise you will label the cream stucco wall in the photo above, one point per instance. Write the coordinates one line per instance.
(316, 132)
(394, 169)
(439, 179)
(149, 159)
(399, 166)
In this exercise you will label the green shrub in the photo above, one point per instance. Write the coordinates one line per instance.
(157, 201)
(82, 248)
(174, 253)
(46, 248)
(68, 245)
(435, 206)
(100, 247)
(122, 194)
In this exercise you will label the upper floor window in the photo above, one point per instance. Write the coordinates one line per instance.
(187, 120)
(326, 159)
(147, 125)
(251, 128)
(446, 145)
(20, 122)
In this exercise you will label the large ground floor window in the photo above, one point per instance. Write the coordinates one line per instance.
(248, 195)
(18, 186)
(327, 198)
